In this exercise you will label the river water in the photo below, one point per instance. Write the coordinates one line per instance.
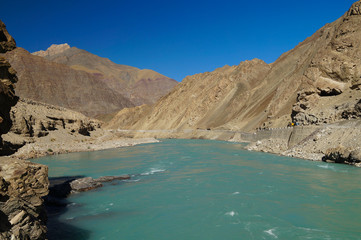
(200, 189)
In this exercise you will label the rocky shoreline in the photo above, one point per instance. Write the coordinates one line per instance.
(23, 186)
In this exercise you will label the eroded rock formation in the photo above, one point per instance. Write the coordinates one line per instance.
(7, 80)
(22, 186)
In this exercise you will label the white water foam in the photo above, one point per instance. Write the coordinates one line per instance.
(131, 180)
(231, 213)
(326, 166)
(270, 232)
(235, 193)
(152, 171)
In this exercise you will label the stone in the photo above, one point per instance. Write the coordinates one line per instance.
(18, 218)
(7, 42)
(343, 155)
(84, 184)
(112, 178)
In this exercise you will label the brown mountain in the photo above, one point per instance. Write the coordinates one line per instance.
(140, 86)
(316, 82)
(58, 84)
(78, 80)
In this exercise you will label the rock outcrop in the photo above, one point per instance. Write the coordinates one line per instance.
(7, 80)
(52, 50)
(89, 183)
(22, 186)
(32, 121)
(343, 155)
(7, 42)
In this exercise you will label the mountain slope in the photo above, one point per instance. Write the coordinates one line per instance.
(58, 84)
(140, 86)
(316, 82)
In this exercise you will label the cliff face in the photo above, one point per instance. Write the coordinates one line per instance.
(316, 82)
(22, 184)
(136, 86)
(7, 81)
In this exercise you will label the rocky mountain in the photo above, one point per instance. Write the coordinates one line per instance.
(140, 86)
(58, 84)
(316, 82)
(22, 184)
(76, 79)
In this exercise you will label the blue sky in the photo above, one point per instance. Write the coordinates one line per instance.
(175, 38)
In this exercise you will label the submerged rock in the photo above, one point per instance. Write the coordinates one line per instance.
(84, 184)
(112, 178)
(89, 183)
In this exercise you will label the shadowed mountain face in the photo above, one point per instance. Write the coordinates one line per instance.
(140, 86)
(7, 80)
(316, 82)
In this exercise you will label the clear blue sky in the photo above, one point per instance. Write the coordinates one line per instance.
(175, 38)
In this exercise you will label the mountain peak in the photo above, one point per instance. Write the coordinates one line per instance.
(52, 50)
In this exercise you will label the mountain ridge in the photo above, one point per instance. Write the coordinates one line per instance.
(133, 83)
(76, 79)
(304, 85)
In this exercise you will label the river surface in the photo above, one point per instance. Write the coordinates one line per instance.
(202, 190)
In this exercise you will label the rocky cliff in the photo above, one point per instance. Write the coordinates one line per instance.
(7, 81)
(22, 184)
(317, 82)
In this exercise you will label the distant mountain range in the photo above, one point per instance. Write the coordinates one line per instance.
(76, 79)
(317, 82)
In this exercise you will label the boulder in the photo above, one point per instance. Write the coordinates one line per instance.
(84, 184)
(112, 178)
(88, 183)
(343, 155)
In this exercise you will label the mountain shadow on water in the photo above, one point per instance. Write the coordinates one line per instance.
(56, 205)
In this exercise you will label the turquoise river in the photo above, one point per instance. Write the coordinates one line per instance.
(200, 189)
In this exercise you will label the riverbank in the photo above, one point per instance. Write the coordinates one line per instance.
(22, 187)
(336, 142)
(59, 142)
(24, 184)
